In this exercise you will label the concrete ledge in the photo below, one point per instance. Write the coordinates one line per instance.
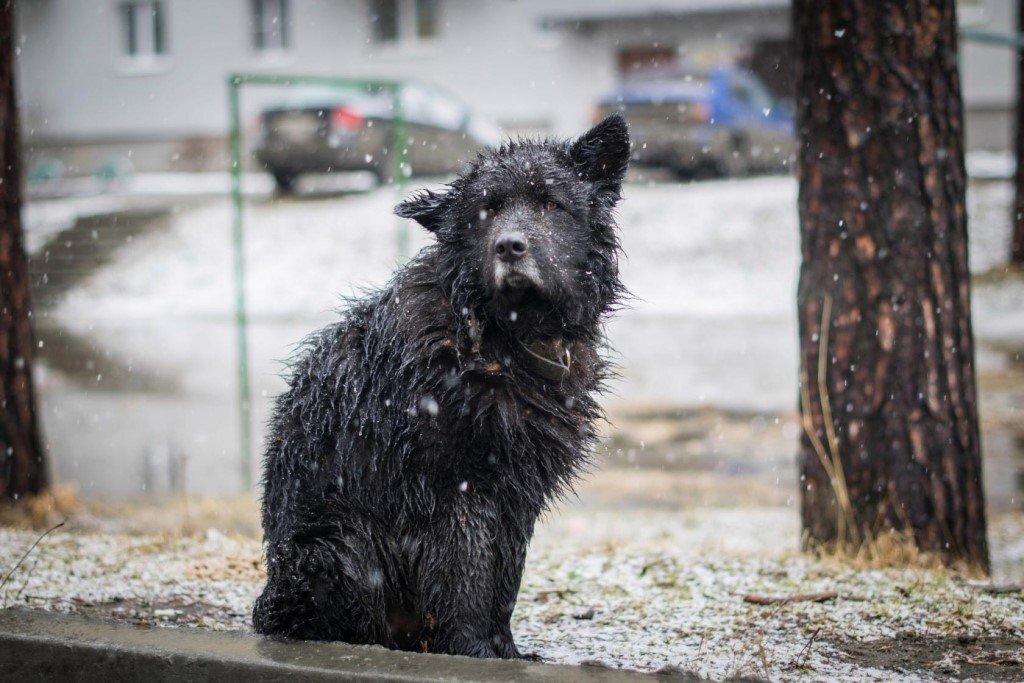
(36, 645)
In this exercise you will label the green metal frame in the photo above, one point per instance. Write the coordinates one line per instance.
(1014, 40)
(400, 172)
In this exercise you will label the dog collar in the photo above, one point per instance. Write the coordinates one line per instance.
(551, 360)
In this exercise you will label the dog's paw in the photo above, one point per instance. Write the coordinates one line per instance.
(506, 648)
(480, 649)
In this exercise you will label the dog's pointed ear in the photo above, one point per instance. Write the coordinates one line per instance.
(602, 153)
(425, 207)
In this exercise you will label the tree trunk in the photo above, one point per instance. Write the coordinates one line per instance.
(22, 467)
(1017, 241)
(888, 394)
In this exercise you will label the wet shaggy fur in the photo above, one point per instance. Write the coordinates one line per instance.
(423, 434)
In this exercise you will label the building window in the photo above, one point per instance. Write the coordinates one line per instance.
(393, 21)
(143, 28)
(426, 18)
(384, 20)
(270, 24)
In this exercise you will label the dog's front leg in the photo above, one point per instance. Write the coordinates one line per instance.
(510, 558)
(457, 583)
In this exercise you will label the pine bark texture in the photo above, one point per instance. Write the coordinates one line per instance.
(22, 467)
(888, 392)
(1017, 240)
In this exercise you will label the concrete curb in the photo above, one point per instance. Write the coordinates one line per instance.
(36, 645)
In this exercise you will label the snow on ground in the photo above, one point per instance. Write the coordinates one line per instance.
(300, 256)
(636, 589)
(713, 280)
(45, 219)
(992, 165)
(55, 205)
(691, 249)
(80, 189)
(712, 265)
(723, 248)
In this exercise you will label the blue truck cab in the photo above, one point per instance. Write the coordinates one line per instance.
(723, 119)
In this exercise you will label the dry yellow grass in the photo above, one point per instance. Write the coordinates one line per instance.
(43, 511)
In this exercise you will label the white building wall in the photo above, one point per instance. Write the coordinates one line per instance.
(988, 71)
(77, 85)
(76, 82)
(988, 75)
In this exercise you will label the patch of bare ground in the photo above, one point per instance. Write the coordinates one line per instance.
(172, 611)
(991, 658)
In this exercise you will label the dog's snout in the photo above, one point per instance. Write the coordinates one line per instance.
(511, 246)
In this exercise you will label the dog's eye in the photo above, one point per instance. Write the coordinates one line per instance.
(487, 214)
(550, 205)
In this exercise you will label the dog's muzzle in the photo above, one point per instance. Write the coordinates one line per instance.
(517, 277)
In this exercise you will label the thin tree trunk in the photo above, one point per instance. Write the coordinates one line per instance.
(1017, 241)
(888, 392)
(22, 467)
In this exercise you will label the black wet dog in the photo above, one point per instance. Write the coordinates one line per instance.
(423, 434)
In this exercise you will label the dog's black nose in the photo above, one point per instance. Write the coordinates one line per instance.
(511, 246)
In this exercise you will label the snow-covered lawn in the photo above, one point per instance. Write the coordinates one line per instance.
(712, 265)
(626, 588)
(720, 248)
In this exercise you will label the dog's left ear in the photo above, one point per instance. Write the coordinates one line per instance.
(602, 153)
(425, 207)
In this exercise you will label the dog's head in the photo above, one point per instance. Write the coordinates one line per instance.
(527, 234)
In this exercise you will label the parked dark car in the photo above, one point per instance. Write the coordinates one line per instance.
(325, 130)
(721, 120)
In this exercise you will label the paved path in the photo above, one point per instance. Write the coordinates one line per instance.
(41, 646)
(73, 254)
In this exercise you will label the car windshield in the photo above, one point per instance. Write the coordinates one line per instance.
(420, 104)
(679, 80)
(661, 89)
(326, 96)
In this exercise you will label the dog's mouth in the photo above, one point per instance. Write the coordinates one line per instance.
(516, 282)
(524, 303)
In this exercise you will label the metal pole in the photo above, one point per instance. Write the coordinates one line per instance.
(400, 167)
(399, 163)
(244, 407)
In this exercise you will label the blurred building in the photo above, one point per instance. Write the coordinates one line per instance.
(142, 83)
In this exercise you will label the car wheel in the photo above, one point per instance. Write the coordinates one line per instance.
(685, 173)
(736, 161)
(284, 182)
(707, 169)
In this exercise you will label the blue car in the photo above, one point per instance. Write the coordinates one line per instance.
(720, 120)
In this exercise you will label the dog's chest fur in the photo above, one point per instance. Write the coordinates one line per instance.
(467, 414)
